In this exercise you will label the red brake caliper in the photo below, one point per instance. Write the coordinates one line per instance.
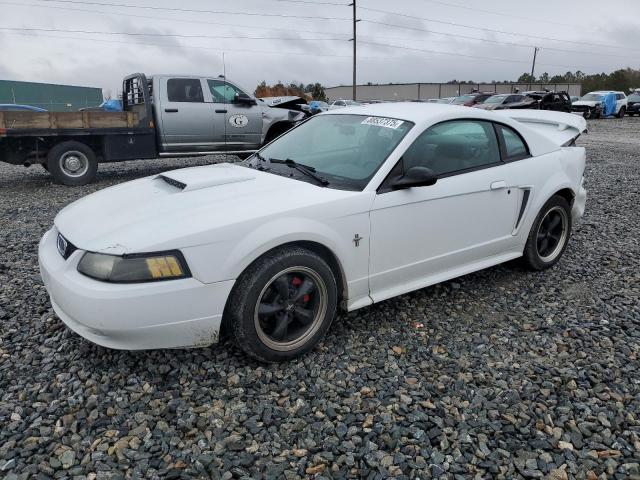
(297, 282)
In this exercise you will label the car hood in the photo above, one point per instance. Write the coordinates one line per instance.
(586, 103)
(184, 208)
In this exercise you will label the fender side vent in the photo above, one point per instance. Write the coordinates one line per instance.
(172, 182)
(523, 205)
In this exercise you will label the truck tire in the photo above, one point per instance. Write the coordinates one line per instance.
(72, 163)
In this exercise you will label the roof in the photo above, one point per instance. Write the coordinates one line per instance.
(426, 114)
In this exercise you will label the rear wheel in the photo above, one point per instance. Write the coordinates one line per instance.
(72, 163)
(549, 234)
(282, 305)
(621, 112)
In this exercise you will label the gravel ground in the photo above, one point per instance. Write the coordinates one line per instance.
(499, 374)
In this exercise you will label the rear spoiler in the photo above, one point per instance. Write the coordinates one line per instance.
(562, 128)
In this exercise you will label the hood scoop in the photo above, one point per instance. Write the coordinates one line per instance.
(195, 178)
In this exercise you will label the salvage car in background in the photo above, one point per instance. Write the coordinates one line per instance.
(352, 207)
(592, 105)
(343, 103)
(633, 104)
(507, 100)
(471, 99)
(546, 100)
(164, 116)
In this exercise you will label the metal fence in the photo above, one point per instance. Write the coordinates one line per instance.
(425, 91)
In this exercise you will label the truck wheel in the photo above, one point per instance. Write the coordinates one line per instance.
(72, 163)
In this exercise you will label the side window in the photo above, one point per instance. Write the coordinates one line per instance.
(620, 96)
(454, 146)
(514, 146)
(223, 92)
(184, 90)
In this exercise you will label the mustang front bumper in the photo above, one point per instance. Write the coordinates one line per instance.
(165, 314)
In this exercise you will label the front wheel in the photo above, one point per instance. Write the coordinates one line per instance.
(282, 305)
(549, 234)
(621, 112)
(72, 163)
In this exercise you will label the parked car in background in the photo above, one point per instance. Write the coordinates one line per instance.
(574, 98)
(317, 106)
(633, 104)
(444, 101)
(507, 100)
(343, 103)
(12, 107)
(592, 105)
(350, 208)
(471, 99)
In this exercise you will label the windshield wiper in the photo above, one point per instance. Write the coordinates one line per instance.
(305, 169)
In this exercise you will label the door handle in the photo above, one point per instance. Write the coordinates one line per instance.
(221, 111)
(171, 110)
(498, 185)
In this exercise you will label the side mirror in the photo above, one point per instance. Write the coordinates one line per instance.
(245, 99)
(415, 177)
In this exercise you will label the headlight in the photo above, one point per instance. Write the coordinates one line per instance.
(148, 267)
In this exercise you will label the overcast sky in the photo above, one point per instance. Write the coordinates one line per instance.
(589, 29)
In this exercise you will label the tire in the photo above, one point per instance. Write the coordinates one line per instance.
(282, 331)
(72, 163)
(541, 250)
(587, 114)
(621, 112)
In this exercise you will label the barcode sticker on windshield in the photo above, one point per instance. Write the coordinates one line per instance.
(383, 122)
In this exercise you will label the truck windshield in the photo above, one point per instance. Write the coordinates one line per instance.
(346, 150)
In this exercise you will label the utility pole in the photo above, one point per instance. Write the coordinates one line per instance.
(355, 21)
(533, 66)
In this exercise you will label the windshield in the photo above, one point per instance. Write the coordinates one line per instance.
(346, 150)
(591, 97)
(496, 99)
(352, 102)
(634, 97)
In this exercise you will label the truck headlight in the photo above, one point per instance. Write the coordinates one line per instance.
(147, 267)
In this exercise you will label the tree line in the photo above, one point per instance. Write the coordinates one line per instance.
(313, 91)
(622, 80)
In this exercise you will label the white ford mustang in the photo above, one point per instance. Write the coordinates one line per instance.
(352, 207)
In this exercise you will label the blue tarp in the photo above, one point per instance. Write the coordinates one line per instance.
(112, 105)
(609, 105)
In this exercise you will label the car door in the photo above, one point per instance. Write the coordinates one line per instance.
(188, 121)
(242, 121)
(421, 235)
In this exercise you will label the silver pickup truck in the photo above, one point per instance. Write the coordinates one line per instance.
(163, 116)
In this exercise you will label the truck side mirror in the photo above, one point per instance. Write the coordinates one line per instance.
(244, 99)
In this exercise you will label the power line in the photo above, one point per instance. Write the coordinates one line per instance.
(403, 47)
(502, 14)
(140, 34)
(305, 54)
(193, 10)
(205, 22)
(150, 17)
(486, 40)
(309, 2)
(504, 32)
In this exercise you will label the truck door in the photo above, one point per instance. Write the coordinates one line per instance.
(189, 123)
(243, 122)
